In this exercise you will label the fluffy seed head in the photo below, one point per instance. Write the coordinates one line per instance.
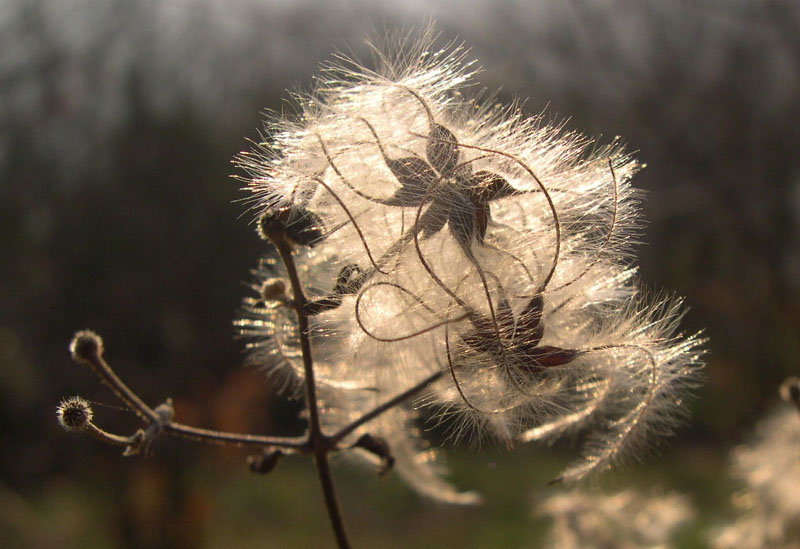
(475, 243)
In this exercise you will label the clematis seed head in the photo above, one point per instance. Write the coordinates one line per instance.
(74, 414)
(467, 243)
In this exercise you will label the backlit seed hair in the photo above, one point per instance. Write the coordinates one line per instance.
(454, 239)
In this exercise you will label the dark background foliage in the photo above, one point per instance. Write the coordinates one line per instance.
(119, 120)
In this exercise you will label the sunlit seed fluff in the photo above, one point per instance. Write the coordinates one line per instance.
(769, 466)
(627, 520)
(477, 243)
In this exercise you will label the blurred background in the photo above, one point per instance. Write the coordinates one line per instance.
(118, 122)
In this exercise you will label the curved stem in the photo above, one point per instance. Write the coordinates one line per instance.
(162, 422)
(110, 438)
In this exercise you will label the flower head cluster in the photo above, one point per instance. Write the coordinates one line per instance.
(455, 240)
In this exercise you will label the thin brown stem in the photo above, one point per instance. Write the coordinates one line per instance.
(235, 439)
(94, 359)
(300, 301)
(88, 349)
(196, 434)
(329, 493)
(113, 439)
(388, 405)
(320, 444)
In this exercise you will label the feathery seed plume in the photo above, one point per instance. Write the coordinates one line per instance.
(450, 238)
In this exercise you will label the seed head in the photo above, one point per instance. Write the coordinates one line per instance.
(624, 519)
(479, 244)
(74, 414)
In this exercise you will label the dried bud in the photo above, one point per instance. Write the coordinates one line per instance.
(74, 414)
(86, 345)
(296, 223)
(379, 447)
(264, 463)
(348, 280)
(790, 390)
(273, 289)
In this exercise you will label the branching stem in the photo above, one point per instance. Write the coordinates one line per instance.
(87, 348)
(160, 419)
(110, 438)
(388, 405)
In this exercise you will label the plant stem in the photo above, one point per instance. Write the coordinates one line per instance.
(329, 493)
(378, 410)
(235, 439)
(321, 445)
(315, 442)
(110, 438)
(164, 422)
(100, 367)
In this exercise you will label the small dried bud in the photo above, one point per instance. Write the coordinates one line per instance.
(86, 345)
(380, 448)
(74, 414)
(296, 223)
(273, 289)
(348, 280)
(790, 390)
(265, 462)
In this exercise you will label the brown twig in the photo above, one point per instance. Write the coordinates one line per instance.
(320, 444)
(87, 348)
(388, 405)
